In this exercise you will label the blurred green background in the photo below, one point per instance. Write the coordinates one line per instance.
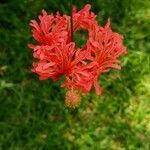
(33, 115)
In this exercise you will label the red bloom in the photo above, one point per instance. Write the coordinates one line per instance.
(58, 55)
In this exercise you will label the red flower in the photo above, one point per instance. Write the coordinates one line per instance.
(51, 30)
(58, 55)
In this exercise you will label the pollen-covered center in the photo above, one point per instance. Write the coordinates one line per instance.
(72, 98)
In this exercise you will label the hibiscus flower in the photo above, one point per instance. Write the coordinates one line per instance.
(59, 56)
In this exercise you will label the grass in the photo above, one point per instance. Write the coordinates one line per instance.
(32, 112)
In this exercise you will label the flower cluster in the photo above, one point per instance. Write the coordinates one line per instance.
(58, 55)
